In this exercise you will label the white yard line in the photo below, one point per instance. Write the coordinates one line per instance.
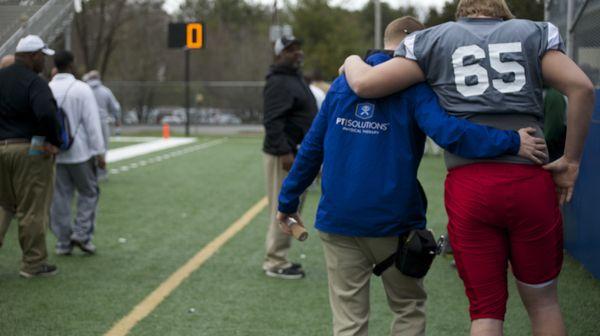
(161, 157)
(121, 138)
(128, 152)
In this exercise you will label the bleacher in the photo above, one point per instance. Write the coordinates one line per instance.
(18, 18)
(13, 15)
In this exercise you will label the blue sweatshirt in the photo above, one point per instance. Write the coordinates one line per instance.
(371, 149)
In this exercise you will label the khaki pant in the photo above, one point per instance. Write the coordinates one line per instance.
(350, 263)
(277, 243)
(26, 185)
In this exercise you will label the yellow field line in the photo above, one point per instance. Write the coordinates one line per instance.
(145, 307)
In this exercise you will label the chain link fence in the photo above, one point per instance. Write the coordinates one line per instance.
(587, 41)
(585, 27)
(581, 214)
(211, 103)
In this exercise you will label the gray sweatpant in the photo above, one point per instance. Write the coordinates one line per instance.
(103, 173)
(80, 177)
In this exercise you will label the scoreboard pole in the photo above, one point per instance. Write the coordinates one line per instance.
(189, 36)
(187, 91)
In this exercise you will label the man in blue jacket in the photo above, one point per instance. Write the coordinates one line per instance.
(370, 150)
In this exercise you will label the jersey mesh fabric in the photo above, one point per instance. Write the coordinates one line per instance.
(486, 70)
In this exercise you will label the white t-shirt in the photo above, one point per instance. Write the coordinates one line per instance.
(319, 95)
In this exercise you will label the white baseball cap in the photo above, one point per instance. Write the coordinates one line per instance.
(33, 43)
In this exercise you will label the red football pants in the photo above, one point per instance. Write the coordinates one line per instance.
(499, 212)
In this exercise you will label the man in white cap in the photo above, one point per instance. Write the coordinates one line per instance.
(28, 117)
(289, 109)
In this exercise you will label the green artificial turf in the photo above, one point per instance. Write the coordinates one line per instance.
(168, 211)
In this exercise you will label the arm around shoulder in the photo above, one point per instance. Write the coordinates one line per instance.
(456, 135)
(383, 79)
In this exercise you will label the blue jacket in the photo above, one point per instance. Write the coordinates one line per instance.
(371, 149)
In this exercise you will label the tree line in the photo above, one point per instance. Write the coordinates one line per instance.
(126, 40)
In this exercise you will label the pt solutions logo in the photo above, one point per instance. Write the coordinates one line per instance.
(364, 111)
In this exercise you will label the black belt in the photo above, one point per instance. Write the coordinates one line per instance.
(5, 142)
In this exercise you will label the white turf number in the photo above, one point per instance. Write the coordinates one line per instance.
(461, 71)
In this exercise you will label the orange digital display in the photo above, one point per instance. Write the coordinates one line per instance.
(188, 35)
(194, 35)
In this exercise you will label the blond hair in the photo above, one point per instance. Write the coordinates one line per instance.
(397, 30)
(492, 8)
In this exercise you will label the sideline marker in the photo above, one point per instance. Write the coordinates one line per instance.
(166, 131)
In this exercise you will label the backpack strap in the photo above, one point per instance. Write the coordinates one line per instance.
(389, 261)
(66, 115)
(66, 93)
(385, 264)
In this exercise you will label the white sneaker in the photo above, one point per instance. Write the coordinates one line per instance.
(64, 251)
(87, 247)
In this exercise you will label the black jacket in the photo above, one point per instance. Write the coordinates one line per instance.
(27, 106)
(289, 109)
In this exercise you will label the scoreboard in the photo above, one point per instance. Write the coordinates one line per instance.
(186, 34)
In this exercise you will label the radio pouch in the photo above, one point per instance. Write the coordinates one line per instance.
(415, 253)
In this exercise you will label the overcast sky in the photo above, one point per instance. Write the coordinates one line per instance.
(172, 5)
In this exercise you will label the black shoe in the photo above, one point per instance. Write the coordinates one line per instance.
(288, 273)
(45, 270)
(296, 266)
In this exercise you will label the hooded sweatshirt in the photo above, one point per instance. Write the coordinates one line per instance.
(107, 103)
(289, 109)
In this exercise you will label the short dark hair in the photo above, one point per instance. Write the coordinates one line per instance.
(63, 59)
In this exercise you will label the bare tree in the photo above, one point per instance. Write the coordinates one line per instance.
(96, 28)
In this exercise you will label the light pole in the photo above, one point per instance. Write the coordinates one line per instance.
(377, 28)
(570, 33)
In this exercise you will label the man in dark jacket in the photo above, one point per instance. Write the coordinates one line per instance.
(29, 136)
(289, 109)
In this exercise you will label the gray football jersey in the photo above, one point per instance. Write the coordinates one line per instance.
(486, 70)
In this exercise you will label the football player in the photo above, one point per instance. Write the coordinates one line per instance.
(490, 68)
